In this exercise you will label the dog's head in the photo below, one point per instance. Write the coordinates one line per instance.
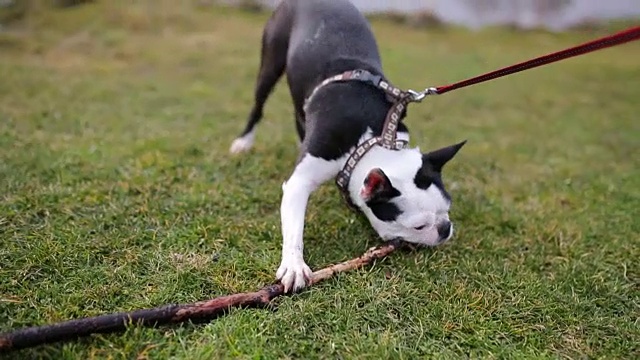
(409, 200)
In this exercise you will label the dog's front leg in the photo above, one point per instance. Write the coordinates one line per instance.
(307, 176)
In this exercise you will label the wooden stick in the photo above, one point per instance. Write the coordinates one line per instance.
(176, 313)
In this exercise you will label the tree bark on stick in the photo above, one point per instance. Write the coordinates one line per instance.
(176, 313)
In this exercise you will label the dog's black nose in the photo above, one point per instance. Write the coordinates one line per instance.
(444, 229)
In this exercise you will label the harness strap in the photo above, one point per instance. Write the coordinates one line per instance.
(388, 137)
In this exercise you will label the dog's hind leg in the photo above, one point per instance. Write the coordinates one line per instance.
(300, 127)
(273, 59)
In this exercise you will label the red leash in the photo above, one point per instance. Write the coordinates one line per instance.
(622, 37)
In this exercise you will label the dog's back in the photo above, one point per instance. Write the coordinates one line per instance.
(327, 38)
(312, 40)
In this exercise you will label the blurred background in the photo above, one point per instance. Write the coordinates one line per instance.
(551, 14)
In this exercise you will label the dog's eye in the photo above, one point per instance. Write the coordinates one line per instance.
(420, 227)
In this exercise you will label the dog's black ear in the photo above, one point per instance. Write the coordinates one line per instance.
(377, 187)
(438, 158)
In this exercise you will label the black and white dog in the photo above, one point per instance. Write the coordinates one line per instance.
(400, 191)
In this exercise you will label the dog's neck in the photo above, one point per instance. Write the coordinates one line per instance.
(395, 163)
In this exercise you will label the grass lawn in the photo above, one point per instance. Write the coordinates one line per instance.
(117, 193)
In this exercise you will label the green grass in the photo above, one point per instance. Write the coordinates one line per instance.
(117, 193)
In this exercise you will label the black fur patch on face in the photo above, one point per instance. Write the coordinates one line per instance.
(383, 208)
(431, 169)
(426, 177)
(385, 211)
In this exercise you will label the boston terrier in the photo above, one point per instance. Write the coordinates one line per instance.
(400, 191)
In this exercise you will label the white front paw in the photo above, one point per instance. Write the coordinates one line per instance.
(294, 274)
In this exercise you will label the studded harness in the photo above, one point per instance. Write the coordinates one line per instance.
(388, 138)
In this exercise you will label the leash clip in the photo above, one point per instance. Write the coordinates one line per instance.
(419, 96)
